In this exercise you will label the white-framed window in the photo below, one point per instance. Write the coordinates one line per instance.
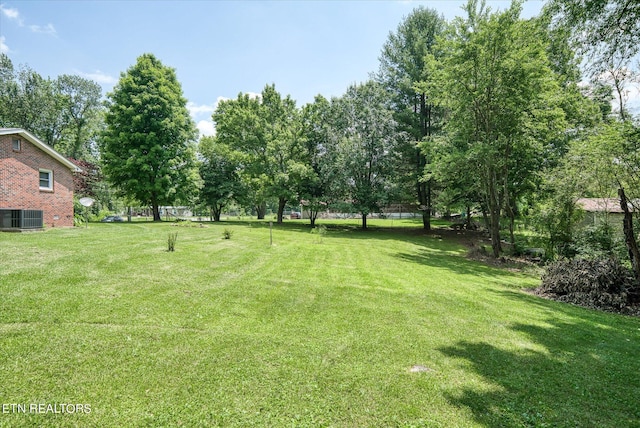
(17, 144)
(46, 179)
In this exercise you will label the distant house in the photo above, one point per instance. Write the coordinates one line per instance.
(36, 182)
(599, 208)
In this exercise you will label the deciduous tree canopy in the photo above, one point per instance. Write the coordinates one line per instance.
(148, 146)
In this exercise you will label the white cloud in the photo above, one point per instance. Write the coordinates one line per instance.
(197, 110)
(3, 46)
(206, 127)
(100, 77)
(12, 14)
(200, 111)
(47, 29)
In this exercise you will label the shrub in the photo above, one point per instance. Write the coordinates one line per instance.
(173, 237)
(599, 284)
(100, 215)
(78, 220)
(558, 221)
(226, 234)
(601, 240)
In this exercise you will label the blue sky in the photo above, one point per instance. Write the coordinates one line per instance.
(218, 48)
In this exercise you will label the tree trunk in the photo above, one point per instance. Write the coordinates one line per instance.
(424, 198)
(511, 214)
(156, 211)
(281, 204)
(494, 214)
(217, 210)
(426, 219)
(629, 236)
(495, 232)
(313, 215)
(512, 220)
(424, 188)
(507, 195)
(364, 221)
(261, 210)
(467, 224)
(485, 217)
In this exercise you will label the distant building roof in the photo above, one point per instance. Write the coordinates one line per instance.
(41, 145)
(601, 205)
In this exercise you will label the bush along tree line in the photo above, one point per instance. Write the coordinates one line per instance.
(490, 114)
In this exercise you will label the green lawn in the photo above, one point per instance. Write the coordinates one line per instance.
(316, 330)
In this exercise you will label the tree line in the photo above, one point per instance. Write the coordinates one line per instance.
(66, 112)
(490, 113)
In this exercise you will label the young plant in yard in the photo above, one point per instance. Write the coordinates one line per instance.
(171, 241)
(226, 234)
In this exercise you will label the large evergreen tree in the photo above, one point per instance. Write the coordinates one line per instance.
(148, 146)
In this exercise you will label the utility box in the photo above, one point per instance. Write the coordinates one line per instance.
(13, 219)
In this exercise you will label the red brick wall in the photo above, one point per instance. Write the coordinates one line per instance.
(20, 182)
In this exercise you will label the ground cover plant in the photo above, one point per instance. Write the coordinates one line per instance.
(389, 327)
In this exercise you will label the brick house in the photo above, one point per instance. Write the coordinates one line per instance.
(35, 177)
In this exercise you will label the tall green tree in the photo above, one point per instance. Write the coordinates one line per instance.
(284, 150)
(148, 146)
(65, 112)
(82, 110)
(368, 136)
(240, 129)
(402, 67)
(31, 102)
(601, 28)
(263, 134)
(608, 32)
(221, 182)
(496, 81)
(318, 186)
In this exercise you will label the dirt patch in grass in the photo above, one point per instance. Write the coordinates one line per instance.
(420, 369)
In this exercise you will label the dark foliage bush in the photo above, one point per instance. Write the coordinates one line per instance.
(603, 284)
(600, 241)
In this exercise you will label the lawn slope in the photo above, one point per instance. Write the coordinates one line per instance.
(388, 327)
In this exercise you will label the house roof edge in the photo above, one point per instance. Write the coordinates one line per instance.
(41, 145)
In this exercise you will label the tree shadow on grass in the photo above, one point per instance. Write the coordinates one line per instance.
(451, 258)
(582, 372)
